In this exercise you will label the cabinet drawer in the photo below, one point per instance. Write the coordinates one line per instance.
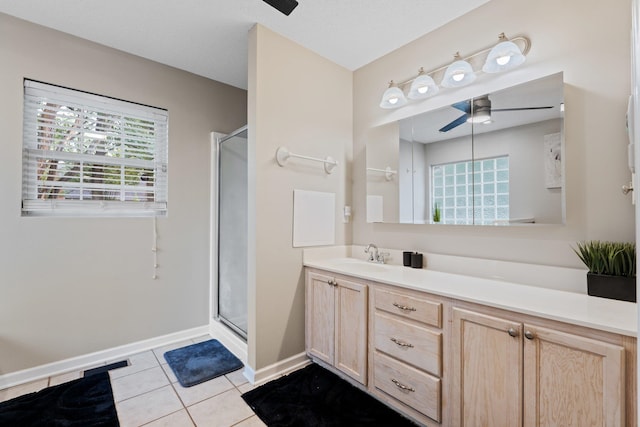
(410, 343)
(410, 386)
(422, 310)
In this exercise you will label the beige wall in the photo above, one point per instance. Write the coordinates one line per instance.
(73, 286)
(69, 287)
(590, 42)
(383, 152)
(302, 101)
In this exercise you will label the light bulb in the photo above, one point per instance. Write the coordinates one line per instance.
(458, 77)
(423, 89)
(503, 60)
(393, 101)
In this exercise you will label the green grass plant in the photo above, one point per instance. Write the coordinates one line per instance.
(608, 258)
(436, 214)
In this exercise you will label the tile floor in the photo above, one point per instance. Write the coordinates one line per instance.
(147, 393)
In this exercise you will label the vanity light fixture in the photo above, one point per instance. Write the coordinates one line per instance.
(423, 86)
(504, 56)
(393, 97)
(458, 74)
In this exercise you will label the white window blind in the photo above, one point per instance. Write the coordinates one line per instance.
(90, 155)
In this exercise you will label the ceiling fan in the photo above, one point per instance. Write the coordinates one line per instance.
(284, 6)
(481, 111)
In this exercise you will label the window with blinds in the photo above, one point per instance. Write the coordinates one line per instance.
(91, 155)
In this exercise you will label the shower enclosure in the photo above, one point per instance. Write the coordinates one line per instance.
(232, 194)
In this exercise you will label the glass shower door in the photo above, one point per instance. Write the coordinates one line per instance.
(232, 231)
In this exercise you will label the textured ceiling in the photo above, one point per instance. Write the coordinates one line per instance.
(209, 37)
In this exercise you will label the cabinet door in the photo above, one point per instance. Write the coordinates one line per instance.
(320, 317)
(351, 329)
(487, 370)
(571, 380)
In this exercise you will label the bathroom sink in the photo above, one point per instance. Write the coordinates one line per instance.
(359, 266)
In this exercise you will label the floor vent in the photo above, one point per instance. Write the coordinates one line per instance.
(110, 366)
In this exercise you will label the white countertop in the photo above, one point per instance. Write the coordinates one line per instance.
(579, 309)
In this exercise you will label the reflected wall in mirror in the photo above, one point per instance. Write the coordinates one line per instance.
(496, 159)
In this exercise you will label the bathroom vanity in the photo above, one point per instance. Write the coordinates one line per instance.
(452, 350)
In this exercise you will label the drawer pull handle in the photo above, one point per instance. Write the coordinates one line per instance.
(402, 386)
(401, 343)
(404, 307)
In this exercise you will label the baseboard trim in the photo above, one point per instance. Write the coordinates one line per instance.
(276, 370)
(230, 340)
(99, 357)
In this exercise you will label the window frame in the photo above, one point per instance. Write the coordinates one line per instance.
(125, 175)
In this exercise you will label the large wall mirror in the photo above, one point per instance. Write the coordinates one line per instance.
(496, 159)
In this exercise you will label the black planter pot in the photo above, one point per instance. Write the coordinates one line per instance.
(612, 287)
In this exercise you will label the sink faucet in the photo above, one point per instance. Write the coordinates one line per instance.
(374, 255)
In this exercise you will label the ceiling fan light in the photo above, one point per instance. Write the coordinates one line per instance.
(480, 116)
(504, 56)
(422, 87)
(393, 97)
(458, 74)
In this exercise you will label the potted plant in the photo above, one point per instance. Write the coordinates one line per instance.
(436, 213)
(612, 269)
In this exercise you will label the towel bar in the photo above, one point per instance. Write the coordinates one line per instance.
(283, 155)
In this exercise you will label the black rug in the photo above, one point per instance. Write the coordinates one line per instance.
(201, 362)
(314, 397)
(85, 402)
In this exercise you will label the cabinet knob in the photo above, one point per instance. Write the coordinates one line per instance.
(529, 335)
(332, 282)
(513, 332)
(402, 386)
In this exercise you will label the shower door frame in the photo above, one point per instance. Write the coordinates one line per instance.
(215, 302)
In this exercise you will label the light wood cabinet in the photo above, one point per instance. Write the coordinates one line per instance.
(446, 362)
(508, 373)
(571, 380)
(407, 352)
(336, 323)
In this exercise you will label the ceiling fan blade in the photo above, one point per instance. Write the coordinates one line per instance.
(454, 124)
(521, 108)
(284, 6)
(464, 106)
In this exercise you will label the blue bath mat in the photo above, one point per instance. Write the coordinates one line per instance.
(201, 362)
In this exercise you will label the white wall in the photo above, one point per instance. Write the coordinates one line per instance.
(302, 101)
(69, 287)
(590, 43)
